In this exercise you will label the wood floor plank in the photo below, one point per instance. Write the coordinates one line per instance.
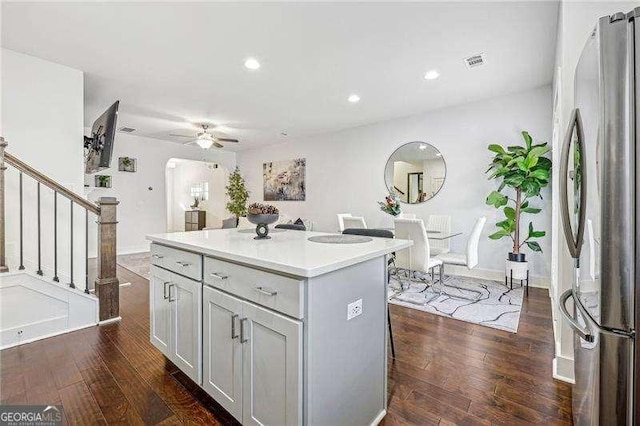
(109, 396)
(79, 406)
(150, 407)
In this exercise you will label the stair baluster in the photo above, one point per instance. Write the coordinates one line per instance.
(3, 167)
(55, 237)
(21, 267)
(86, 251)
(71, 284)
(39, 271)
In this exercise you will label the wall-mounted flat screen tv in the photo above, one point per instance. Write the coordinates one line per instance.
(98, 148)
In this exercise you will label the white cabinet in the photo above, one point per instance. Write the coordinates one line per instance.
(252, 360)
(272, 373)
(176, 319)
(222, 350)
(160, 310)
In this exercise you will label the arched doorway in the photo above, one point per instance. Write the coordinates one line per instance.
(188, 180)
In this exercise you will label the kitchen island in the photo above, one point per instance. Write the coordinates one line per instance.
(283, 331)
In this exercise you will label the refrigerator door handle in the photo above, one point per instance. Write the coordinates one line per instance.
(574, 243)
(573, 323)
(588, 334)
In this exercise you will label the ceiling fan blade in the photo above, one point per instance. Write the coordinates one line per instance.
(218, 145)
(180, 136)
(228, 140)
(190, 142)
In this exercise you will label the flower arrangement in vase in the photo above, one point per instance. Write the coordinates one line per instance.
(390, 205)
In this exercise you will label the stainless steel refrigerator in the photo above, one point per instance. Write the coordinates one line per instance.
(600, 206)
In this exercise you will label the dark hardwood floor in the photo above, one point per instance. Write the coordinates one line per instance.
(446, 372)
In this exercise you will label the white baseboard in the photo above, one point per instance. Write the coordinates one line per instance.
(492, 274)
(46, 336)
(379, 418)
(134, 249)
(563, 369)
(109, 321)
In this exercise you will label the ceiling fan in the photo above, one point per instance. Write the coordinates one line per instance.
(205, 139)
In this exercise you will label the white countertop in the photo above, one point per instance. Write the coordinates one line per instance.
(287, 252)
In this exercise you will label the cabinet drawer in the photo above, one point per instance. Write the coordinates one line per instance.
(179, 261)
(273, 291)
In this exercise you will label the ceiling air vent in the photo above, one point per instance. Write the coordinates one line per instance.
(475, 61)
(126, 129)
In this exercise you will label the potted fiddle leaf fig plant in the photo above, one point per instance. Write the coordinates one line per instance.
(523, 171)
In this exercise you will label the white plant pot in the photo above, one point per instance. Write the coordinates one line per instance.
(517, 270)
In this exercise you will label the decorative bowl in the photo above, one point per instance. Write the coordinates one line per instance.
(262, 222)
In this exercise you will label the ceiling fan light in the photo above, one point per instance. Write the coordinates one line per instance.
(204, 143)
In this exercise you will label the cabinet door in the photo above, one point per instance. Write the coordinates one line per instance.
(222, 350)
(272, 368)
(160, 312)
(185, 296)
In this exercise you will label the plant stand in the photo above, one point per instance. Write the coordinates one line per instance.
(518, 271)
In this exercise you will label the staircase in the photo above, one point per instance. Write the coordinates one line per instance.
(106, 285)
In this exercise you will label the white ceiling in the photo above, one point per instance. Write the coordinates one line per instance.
(172, 63)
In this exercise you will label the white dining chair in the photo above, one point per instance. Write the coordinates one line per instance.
(470, 257)
(417, 258)
(441, 224)
(354, 222)
(341, 216)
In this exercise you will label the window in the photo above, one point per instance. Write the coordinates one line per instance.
(200, 191)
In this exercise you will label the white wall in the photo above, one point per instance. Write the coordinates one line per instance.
(181, 178)
(576, 21)
(143, 211)
(345, 170)
(42, 119)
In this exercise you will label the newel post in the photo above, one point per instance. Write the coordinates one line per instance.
(107, 285)
(3, 167)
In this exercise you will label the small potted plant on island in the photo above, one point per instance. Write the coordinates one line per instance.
(522, 171)
(390, 205)
(262, 215)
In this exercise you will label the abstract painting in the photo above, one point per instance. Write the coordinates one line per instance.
(285, 180)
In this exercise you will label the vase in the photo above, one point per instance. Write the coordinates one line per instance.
(262, 222)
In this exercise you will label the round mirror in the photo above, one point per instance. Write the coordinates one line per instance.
(415, 172)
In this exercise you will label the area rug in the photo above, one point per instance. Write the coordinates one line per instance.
(497, 306)
(138, 263)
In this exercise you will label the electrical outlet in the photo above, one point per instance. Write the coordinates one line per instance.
(354, 309)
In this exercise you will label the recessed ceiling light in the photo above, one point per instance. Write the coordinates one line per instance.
(252, 64)
(354, 98)
(431, 75)
(422, 147)
(283, 133)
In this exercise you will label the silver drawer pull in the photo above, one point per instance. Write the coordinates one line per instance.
(183, 263)
(266, 291)
(157, 256)
(243, 338)
(233, 326)
(219, 275)
(165, 289)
